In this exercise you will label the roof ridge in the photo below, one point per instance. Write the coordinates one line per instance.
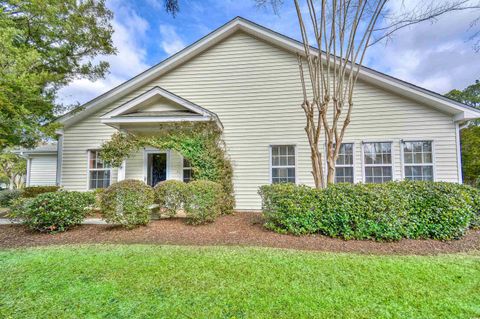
(275, 38)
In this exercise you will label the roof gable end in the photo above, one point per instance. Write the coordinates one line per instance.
(144, 99)
(460, 112)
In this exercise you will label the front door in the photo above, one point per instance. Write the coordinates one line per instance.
(156, 168)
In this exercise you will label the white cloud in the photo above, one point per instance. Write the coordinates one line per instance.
(129, 37)
(171, 42)
(434, 54)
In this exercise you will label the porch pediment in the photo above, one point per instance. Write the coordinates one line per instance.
(156, 106)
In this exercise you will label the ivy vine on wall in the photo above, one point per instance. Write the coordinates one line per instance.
(199, 142)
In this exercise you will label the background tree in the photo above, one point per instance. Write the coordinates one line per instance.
(44, 45)
(470, 140)
(469, 96)
(340, 32)
(470, 136)
(13, 168)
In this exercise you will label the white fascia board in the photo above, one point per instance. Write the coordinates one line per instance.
(373, 77)
(444, 104)
(26, 153)
(151, 93)
(152, 73)
(466, 116)
(156, 119)
(460, 112)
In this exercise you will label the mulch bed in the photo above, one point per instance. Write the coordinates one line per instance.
(241, 229)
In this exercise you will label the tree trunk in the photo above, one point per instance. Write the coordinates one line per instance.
(317, 171)
(330, 164)
(330, 173)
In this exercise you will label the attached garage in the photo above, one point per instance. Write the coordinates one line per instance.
(41, 165)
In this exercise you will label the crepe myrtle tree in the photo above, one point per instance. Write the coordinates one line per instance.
(336, 35)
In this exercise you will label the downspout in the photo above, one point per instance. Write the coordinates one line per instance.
(58, 177)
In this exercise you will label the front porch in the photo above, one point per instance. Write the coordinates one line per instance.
(153, 166)
(145, 116)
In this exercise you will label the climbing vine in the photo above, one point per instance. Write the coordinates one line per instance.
(199, 142)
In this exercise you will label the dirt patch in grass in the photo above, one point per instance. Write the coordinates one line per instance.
(240, 229)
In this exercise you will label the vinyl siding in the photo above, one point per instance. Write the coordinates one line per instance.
(161, 105)
(43, 170)
(254, 88)
(78, 139)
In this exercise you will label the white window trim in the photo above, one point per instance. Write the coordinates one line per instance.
(183, 169)
(402, 156)
(353, 160)
(289, 166)
(89, 156)
(145, 162)
(364, 175)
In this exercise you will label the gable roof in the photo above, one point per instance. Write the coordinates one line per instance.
(44, 149)
(155, 92)
(128, 113)
(459, 111)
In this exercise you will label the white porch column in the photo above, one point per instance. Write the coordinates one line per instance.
(121, 171)
(123, 168)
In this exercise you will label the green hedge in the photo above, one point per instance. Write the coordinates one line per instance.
(33, 191)
(204, 201)
(53, 212)
(9, 195)
(201, 200)
(383, 212)
(127, 203)
(170, 196)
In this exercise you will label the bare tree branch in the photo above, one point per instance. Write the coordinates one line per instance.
(343, 30)
(425, 11)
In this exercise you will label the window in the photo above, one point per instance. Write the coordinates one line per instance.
(378, 162)
(283, 164)
(98, 172)
(187, 171)
(418, 160)
(344, 164)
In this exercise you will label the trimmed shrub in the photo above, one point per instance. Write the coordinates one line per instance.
(98, 192)
(54, 212)
(17, 207)
(203, 201)
(33, 191)
(474, 195)
(384, 212)
(127, 203)
(170, 196)
(9, 195)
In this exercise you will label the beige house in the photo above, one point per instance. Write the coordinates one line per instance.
(246, 77)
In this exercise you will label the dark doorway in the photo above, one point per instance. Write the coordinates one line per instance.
(156, 168)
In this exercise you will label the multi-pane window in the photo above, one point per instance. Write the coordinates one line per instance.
(418, 160)
(283, 164)
(187, 171)
(344, 164)
(98, 172)
(378, 162)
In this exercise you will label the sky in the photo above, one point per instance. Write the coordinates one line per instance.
(436, 55)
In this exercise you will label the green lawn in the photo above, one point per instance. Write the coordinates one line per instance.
(108, 281)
